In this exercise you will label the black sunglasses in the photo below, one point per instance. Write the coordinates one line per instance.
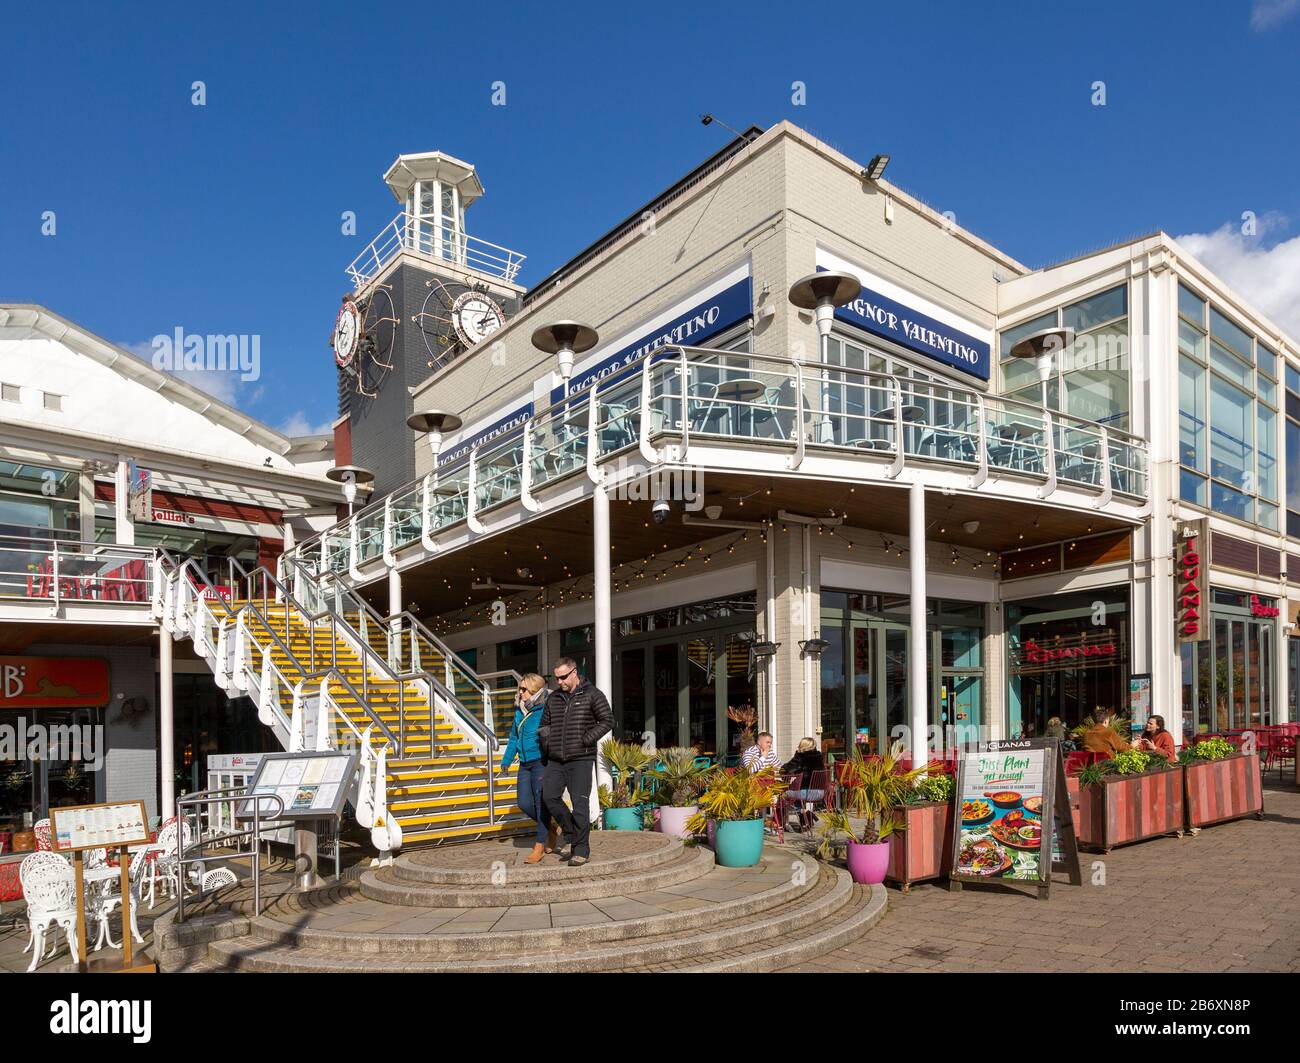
(565, 676)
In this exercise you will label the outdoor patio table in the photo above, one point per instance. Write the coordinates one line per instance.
(1015, 435)
(913, 418)
(739, 394)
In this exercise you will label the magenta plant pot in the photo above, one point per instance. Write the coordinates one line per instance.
(868, 863)
(673, 820)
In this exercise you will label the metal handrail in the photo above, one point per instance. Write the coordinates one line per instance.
(214, 797)
(446, 243)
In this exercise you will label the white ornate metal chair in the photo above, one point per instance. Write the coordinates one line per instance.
(164, 865)
(50, 891)
(102, 898)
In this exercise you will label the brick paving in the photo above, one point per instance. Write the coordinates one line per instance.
(1227, 899)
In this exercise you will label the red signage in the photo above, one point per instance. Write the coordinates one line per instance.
(1037, 654)
(1189, 585)
(53, 682)
(1258, 608)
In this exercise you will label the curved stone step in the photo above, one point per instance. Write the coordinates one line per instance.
(829, 913)
(612, 853)
(687, 864)
(295, 927)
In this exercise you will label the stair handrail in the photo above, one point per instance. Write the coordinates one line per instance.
(289, 600)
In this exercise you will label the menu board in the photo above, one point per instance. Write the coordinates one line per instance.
(1009, 814)
(1139, 700)
(99, 826)
(310, 785)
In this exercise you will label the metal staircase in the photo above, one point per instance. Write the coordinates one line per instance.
(325, 670)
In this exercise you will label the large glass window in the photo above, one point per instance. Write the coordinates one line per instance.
(1228, 679)
(1091, 378)
(1293, 453)
(1239, 390)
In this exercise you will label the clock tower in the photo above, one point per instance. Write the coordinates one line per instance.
(423, 293)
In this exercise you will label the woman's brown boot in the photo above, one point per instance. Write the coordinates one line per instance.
(535, 857)
(550, 839)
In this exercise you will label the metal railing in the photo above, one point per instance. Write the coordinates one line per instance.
(231, 796)
(680, 394)
(434, 239)
(58, 570)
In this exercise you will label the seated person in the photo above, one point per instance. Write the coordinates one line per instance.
(761, 754)
(1102, 738)
(1155, 739)
(806, 760)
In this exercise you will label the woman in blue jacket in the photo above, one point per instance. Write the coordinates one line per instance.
(529, 701)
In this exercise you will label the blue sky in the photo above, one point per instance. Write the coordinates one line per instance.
(225, 218)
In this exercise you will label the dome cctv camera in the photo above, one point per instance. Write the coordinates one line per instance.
(713, 512)
(661, 511)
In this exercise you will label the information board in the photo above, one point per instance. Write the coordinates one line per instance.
(99, 826)
(1139, 700)
(1011, 807)
(311, 785)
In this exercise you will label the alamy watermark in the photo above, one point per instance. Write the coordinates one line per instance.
(212, 353)
(83, 743)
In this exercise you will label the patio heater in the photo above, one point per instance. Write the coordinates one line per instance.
(565, 339)
(351, 477)
(1042, 346)
(433, 425)
(822, 293)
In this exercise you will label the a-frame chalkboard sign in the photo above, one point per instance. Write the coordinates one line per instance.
(1013, 822)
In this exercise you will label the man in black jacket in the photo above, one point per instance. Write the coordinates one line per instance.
(575, 719)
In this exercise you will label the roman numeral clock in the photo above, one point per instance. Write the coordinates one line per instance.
(425, 292)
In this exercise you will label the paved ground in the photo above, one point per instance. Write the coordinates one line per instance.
(1227, 899)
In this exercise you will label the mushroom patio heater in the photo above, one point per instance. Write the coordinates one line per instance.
(351, 477)
(565, 339)
(822, 293)
(433, 425)
(1042, 347)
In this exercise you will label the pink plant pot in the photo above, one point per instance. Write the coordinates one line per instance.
(673, 820)
(868, 863)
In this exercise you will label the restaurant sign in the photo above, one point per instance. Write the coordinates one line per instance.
(1013, 815)
(1191, 563)
(53, 682)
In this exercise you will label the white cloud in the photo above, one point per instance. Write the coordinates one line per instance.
(1265, 14)
(1267, 276)
(298, 425)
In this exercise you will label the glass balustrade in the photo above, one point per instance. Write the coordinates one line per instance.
(449, 498)
(406, 515)
(498, 472)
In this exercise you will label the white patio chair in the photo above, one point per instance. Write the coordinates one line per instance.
(50, 891)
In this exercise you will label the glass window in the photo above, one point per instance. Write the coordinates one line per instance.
(10, 393)
(1266, 453)
(1191, 341)
(1293, 466)
(1094, 372)
(1230, 335)
(1230, 365)
(1096, 309)
(1266, 360)
(54, 403)
(1268, 515)
(1292, 378)
(1230, 503)
(1028, 328)
(1230, 438)
(1192, 488)
(1191, 305)
(1266, 390)
(1191, 413)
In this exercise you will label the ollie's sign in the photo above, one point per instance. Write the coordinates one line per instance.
(1189, 583)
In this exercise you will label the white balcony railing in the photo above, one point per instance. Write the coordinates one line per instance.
(36, 567)
(436, 241)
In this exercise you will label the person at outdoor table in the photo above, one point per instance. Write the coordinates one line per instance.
(807, 760)
(761, 754)
(1155, 739)
(530, 699)
(1101, 737)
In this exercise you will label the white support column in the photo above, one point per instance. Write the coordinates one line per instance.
(166, 726)
(604, 624)
(394, 611)
(917, 671)
(124, 530)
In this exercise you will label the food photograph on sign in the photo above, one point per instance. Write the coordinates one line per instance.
(1001, 829)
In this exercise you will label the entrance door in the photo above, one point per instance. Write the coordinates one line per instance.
(665, 694)
(630, 706)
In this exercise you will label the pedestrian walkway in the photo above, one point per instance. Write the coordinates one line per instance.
(1226, 899)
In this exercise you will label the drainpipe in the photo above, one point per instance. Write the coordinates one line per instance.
(916, 665)
(603, 621)
(769, 709)
(808, 659)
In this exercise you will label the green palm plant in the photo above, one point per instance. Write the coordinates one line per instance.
(736, 794)
(678, 777)
(629, 760)
(872, 788)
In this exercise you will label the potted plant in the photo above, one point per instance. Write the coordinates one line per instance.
(621, 803)
(678, 779)
(1220, 783)
(734, 801)
(1130, 797)
(872, 788)
(925, 849)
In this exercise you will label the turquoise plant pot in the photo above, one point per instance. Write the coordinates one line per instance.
(739, 842)
(622, 818)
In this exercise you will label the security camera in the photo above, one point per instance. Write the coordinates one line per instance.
(661, 511)
(713, 512)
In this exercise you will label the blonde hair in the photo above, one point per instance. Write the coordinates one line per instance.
(532, 682)
(805, 744)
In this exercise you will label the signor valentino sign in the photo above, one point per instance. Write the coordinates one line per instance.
(1190, 566)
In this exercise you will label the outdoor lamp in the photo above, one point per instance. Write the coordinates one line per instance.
(564, 339)
(433, 424)
(814, 647)
(876, 167)
(350, 476)
(822, 293)
(764, 650)
(1041, 347)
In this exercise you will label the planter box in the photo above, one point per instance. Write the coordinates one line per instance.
(1131, 808)
(924, 850)
(1220, 790)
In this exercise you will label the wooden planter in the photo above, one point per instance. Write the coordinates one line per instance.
(1131, 808)
(1220, 790)
(924, 850)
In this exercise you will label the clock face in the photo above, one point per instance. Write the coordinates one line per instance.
(475, 316)
(347, 332)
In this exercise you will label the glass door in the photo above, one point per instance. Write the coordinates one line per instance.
(664, 695)
(629, 710)
(701, 724)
